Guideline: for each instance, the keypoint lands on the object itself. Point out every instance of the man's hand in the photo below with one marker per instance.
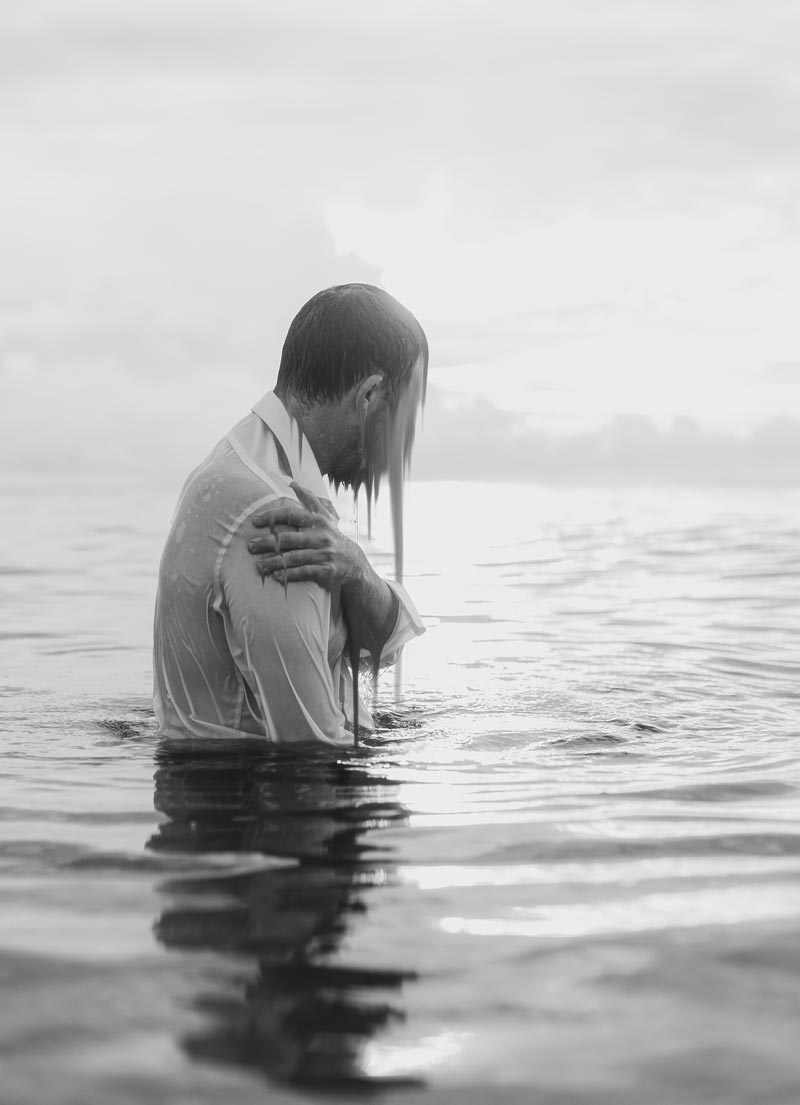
(308, 546)
(305, 544)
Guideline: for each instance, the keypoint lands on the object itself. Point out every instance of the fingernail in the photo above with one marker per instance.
(251, 545)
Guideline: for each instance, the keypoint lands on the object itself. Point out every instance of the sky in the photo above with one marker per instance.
(593, 206)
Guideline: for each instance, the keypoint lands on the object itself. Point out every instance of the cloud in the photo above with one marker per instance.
(474, 440)
(490, 341)
(527, 101)
(137, 374)
(158, 432)
(169, 166)
(783, 372)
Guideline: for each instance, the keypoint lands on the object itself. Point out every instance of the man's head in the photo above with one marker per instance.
(353, 371)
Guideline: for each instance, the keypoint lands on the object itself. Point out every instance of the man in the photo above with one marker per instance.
(258, 589)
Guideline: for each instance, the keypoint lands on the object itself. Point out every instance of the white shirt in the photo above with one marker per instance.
(234, 655)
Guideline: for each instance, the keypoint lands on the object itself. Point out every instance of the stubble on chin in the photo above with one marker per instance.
(349, 470)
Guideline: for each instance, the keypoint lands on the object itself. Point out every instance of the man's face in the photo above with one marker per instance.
(368, 444)
(390, 429)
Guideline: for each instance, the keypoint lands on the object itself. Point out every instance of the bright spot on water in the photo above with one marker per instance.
(723, 906)
(384, 1060)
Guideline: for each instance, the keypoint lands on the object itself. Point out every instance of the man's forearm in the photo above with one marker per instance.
(314, 549)
(370, 607)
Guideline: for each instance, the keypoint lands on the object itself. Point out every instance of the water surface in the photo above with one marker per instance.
(566, 869)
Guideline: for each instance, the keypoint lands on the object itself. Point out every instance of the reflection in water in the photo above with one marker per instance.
(302, 1017)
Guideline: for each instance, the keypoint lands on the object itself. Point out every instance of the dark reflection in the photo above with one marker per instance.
(303, 1016)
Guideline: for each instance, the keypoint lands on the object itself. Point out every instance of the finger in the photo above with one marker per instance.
(269, 564)
(307, 573)
(309, 501)
(269, 543)
(290, 514)
(288, 541)
(277, 502)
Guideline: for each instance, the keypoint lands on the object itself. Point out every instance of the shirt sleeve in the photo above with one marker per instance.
(279, 641)
(408, 625)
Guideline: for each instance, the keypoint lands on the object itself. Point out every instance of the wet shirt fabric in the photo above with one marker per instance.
(235, 655)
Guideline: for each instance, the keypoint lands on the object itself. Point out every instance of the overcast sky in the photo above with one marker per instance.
(592, 205)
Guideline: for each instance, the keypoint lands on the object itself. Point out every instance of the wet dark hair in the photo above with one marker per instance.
(342, 335)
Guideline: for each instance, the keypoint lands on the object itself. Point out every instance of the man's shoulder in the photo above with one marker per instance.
(209, 530)
(224, 486)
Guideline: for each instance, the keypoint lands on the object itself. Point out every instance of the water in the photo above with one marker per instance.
(566, 870)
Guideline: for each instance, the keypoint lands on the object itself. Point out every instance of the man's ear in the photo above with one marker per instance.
(369, 395)
(369, 390)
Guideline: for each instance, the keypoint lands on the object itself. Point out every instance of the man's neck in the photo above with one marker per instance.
(314, 421)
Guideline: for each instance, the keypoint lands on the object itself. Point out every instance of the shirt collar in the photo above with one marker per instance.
(294, 443)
